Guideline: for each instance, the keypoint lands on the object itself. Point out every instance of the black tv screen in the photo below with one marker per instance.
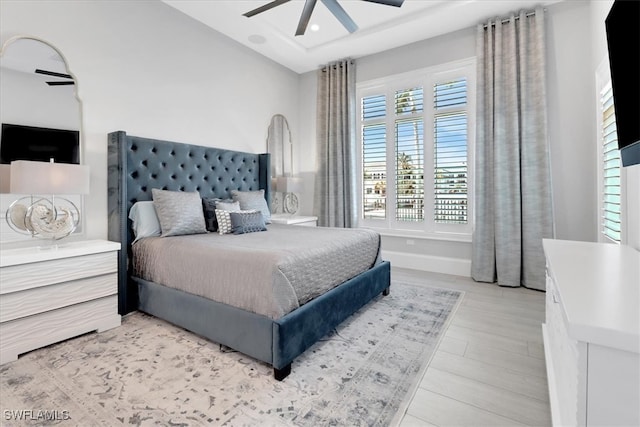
(19, 142)
(623, 40)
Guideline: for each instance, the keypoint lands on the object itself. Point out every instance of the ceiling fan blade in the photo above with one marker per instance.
(305, 17)
(264, 8)
(396, 3)
(61, 83)
(51, 73)
(341, 15)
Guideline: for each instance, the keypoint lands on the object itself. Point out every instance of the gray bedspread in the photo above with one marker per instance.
(269, 273)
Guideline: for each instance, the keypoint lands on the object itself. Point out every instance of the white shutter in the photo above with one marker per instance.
(409, 154)
(374, 157)
(450, 152)
(611, 168)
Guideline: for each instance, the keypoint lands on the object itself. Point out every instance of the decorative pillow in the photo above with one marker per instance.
(179, 212)
(145, 220)
(209, 206)
(253, 200)
(247, 222)
(224, 221)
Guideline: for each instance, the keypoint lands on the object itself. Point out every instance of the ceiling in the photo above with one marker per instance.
(381, 27)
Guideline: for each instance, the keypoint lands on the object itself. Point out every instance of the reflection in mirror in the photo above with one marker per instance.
(280, 146)
(38, 93)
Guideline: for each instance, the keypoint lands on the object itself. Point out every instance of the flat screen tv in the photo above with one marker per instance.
(623, 40)
(19, 142)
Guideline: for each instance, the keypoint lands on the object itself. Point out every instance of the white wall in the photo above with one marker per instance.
(571, 120)
(146, 68)
(571, 128)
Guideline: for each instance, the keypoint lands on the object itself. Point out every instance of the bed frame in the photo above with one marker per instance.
(135, 166)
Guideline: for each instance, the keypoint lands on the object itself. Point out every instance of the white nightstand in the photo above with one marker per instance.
(49, 295)
(305, 221)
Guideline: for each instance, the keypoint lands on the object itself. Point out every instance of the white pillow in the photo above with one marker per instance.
(145, 220)
(253, 200)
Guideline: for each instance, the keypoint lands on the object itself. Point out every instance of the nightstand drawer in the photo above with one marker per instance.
(304, 221)
(36, 300)
(26, 276)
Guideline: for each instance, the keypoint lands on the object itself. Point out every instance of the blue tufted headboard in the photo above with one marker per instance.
(136, 165)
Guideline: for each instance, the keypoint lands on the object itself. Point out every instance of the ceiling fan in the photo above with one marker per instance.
(333, 7)
(54, 74)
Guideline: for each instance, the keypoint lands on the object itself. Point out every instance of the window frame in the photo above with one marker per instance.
(425, 78)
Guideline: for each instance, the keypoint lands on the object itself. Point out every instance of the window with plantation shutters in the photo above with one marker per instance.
(409, 154)
(611, 201)
(450, 152)
(374, 157)
(415, 138)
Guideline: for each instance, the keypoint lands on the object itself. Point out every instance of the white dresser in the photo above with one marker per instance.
(49, 295)
(592, 333)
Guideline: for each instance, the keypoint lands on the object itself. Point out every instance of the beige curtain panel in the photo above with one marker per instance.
(513, 185)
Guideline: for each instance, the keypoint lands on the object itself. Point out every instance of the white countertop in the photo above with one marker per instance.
(599, 289)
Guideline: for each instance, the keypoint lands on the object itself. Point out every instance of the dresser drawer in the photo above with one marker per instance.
(33, 275)
(35, 300)
(28, 333)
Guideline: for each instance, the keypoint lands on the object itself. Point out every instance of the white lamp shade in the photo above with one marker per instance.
(5, 178)
(28, 177)
(288, 184)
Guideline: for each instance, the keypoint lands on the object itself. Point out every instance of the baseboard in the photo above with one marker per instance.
(436, 264)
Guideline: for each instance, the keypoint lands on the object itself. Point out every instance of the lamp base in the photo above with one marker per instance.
(43, 218)
(290, 204)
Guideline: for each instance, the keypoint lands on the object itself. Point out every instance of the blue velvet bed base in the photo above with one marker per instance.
(136, 165)
(276, 342)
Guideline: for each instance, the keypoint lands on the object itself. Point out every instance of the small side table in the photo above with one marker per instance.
(304, 221)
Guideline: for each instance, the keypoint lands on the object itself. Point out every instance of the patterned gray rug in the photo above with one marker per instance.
(148, 372)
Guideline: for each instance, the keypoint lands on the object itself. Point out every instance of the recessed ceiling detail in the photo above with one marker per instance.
(333, 6)
(380, 27)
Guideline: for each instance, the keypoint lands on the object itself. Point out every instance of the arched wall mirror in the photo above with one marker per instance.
(280, 146)
(40, 113)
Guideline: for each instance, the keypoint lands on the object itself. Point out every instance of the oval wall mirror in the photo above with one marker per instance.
(38, 95)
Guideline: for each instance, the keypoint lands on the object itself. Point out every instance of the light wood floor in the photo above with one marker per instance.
(489, 369)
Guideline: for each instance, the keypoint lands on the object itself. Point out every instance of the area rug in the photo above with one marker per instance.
(148, 372)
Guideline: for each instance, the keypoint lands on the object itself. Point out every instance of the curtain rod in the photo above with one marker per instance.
(336, 64)
(505, 20)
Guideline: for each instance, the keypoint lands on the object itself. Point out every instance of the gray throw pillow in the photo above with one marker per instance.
(253, 200)
(247, 222)
(209, 206)
(179, 212)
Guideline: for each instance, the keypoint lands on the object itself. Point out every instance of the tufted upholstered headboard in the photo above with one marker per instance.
(136, 165)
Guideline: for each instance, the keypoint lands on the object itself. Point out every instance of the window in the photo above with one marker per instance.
(611, 200)
(416, 134)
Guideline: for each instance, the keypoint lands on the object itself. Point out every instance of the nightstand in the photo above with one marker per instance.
(304, 221)
(49, 295)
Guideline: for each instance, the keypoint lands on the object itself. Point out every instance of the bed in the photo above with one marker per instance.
(138, 165)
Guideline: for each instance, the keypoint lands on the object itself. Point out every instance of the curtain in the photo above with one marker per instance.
(513, 184)
(335, 186)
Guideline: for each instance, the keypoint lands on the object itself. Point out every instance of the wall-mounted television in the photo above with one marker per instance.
(19, 142)
(623, 40)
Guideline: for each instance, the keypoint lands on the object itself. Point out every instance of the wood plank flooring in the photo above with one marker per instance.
(489, 369)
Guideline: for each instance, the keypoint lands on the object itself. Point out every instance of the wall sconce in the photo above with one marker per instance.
(50, 218)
